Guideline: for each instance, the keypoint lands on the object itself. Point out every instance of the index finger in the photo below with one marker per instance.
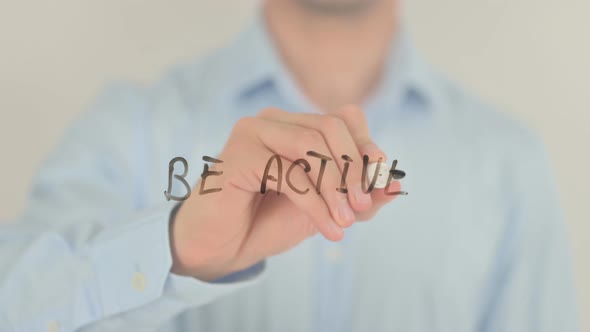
(356, 121)
(358, 127)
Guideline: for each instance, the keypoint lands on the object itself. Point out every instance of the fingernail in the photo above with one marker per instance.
(374, 153)
(360, 197)
(346, 214)
(336, 230)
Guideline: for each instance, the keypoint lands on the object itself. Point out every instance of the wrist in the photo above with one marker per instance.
(186, 260)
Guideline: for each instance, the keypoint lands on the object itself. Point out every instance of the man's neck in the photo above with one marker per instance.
(335, 59)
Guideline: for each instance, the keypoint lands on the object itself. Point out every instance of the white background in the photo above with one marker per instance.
(528, 57)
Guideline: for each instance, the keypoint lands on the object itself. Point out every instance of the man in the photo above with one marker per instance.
(477, 245)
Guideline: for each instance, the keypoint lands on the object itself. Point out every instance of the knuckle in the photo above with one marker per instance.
(310, 229)
(353, 113)
(333, 124)
(268, 112)
(243, 124)
(310, 138)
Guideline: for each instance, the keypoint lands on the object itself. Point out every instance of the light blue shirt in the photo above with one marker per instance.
(477, 245)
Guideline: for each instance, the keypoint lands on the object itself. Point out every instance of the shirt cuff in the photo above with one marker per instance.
(133, 263)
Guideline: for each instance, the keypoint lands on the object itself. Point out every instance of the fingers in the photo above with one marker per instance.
(343, 152)
(292, 143)
(296, 142)
(356, 122)
(337, 143)
(342, 146)
(380, 198)
(313, 205)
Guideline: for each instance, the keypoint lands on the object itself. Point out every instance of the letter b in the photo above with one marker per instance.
(180, 178)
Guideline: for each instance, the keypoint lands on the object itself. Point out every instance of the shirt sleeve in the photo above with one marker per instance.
(532, 285)
(84, 255)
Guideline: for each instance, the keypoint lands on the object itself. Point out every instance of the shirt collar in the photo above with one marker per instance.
(406, 76)
(257, 64)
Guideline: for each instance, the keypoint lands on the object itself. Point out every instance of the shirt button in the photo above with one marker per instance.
(52, 327)
(334, 255)
(138, 281)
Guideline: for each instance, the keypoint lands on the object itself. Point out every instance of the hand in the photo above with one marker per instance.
(217, 234)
